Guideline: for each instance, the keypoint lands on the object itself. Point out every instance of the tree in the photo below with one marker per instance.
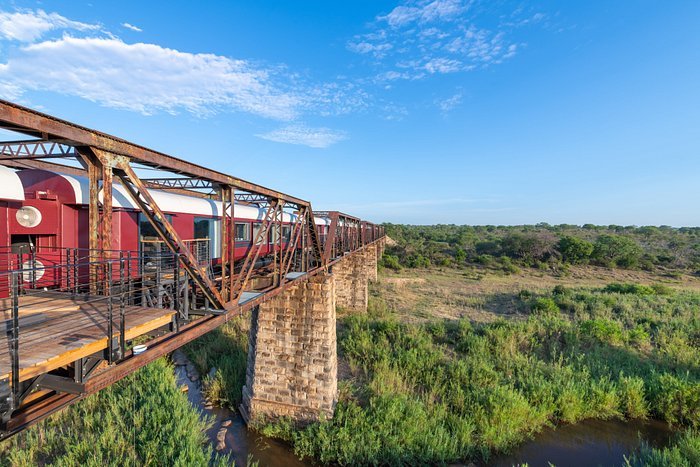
(575, 250)
(535, 246)
(614, 250)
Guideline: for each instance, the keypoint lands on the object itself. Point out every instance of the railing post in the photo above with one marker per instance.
(68, 271)
(122, 308)
(186, 296)
(32, 266)
(176, 284)
(75, 271)
(159, 270)
(110, 324)
(14, 340)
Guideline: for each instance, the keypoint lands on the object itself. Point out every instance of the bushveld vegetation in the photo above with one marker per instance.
(544, 246)
(453, 390)
(142, 420)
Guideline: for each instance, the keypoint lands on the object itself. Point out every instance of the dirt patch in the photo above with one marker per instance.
(420, 295)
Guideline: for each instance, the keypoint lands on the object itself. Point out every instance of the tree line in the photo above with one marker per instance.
(544, 246)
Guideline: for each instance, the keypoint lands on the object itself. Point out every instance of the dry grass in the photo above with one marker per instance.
(483, 296)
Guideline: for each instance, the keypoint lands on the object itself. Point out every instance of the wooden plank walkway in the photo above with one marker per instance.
(56, 330)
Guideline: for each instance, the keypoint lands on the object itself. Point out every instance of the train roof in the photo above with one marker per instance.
(11, 187)
(74, 189)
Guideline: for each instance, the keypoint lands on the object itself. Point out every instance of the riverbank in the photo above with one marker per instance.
(458, 390)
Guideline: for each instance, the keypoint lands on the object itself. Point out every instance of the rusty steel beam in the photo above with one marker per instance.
(184, 183)
(250, 259)
(140, 195)
(21, 119)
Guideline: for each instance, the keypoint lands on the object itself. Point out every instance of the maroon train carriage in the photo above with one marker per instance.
(47, 214)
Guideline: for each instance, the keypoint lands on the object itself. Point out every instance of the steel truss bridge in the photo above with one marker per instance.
(163, 301)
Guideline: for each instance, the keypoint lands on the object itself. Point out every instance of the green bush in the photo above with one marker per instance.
(544, 305)
(684, 452)
(614, 250)
(391, 262)
(575, 250)
(603, 330)
(635, 289)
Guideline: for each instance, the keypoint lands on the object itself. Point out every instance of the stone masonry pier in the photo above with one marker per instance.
(292, 352)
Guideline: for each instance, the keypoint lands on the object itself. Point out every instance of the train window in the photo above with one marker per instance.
(286, 233)
(242, 233)
(256, 232)
(202, 227)
(146, 230)
(274, 234)
(206, 228)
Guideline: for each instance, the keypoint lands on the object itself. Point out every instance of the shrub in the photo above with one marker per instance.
(603, 330)
(575, 250)
(677, 400)
(391, 262)
(614, 250)
(635, 289)
(544, 305)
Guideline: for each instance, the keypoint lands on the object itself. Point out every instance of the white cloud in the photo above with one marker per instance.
(29, 26)
(446, 105)
(132, 27)
(420, 38)
(378, 50)
(146, 78)
(300, 134)
(423, 11)
(442, 65)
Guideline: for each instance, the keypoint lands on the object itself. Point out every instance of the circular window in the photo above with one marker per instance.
(28, 216)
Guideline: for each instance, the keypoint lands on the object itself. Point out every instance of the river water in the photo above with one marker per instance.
(588, 443)
(238, 441)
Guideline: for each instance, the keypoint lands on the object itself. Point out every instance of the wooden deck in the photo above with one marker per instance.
(56, 330)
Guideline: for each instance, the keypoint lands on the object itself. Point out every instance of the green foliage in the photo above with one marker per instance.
(615, 250)
(684, 452)
(546, 246)
(635, 289)
(544, 305)
(575, 250)
(142, 420)
(391, 262)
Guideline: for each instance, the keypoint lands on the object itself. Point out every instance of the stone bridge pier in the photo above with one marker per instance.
(292, 352)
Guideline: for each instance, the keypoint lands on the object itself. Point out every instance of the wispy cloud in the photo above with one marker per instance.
(301, 134)
(132, 27)
(420, 38)
(29, 26)
(448, 104)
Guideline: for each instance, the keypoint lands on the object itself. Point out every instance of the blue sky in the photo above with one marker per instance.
(421, 111)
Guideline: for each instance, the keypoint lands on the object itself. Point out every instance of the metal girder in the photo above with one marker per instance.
(183, 183)
(251, 258)
(140, 195)
(21, 119)
(30, 149)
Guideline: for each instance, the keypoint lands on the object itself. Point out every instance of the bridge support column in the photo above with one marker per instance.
(371, 255)
(351, 276)
(292, 355)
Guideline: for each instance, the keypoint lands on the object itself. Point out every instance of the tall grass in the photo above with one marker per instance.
(226, 350)
(142, 420)
(453, 390)
(684, 452)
